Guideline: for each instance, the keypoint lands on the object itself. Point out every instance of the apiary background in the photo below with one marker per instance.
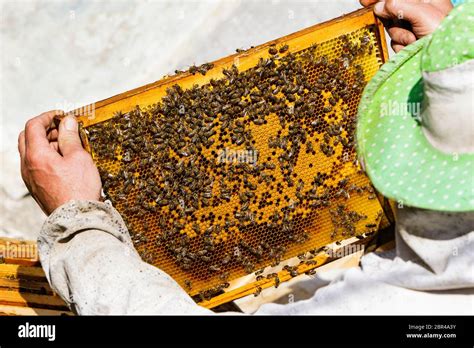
(91, 50)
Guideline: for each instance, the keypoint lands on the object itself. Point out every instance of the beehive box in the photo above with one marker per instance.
(239, 164)
(24, 289)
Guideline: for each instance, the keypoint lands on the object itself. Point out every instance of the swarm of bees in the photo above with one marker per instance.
(201, 215)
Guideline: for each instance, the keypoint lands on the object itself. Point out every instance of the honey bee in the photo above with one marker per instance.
(214, 268)
(277, 282)
(188, 284)
(272, 50)
(283, 48)
(293, 272)
(224, 276)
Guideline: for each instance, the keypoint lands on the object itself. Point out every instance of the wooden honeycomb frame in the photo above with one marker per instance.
(318, 34)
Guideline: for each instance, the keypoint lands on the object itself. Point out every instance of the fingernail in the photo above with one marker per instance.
(70, 123)
(378, 8)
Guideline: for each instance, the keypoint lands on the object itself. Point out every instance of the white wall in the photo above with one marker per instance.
(65, 54)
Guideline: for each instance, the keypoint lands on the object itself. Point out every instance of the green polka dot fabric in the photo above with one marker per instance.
(397, 157)
(453, 41)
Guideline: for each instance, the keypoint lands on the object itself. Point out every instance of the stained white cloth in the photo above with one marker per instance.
(448, 93)
(89, 260)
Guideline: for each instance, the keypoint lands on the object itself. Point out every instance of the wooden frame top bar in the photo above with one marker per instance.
(153, 92)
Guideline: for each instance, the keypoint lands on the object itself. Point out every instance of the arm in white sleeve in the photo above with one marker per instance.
(89, 260)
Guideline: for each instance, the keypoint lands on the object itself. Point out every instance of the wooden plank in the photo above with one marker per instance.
(15, 310)
(9, 271)
(382, 39)
(26, 285)
(248, 289)
(25, 299)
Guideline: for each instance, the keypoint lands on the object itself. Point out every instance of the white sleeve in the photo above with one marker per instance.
(89, 260)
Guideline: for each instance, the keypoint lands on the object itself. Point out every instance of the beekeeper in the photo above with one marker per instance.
(415, 141)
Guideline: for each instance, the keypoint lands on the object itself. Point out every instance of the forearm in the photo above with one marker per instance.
(89, 259)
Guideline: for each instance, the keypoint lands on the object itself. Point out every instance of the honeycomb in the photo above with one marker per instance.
(227, 177)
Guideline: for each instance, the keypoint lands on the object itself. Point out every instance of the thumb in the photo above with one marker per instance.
(68, 136)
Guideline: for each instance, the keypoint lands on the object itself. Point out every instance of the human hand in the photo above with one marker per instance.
(409, 20)
(54, 165)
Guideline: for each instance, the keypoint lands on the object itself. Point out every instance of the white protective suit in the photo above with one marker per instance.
(89, 259)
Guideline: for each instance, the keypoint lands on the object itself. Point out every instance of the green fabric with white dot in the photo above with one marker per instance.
(397, 157)
(452, 43)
